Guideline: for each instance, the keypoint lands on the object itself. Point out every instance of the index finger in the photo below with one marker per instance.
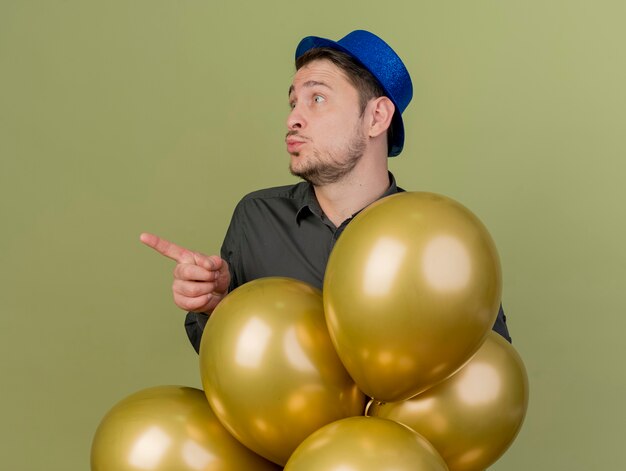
(167, 248)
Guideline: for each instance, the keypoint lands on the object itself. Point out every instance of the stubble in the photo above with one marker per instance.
(324, 171)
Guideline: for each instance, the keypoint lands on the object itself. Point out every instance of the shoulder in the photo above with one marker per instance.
(285, 191)
(279, 195)
(269, 207)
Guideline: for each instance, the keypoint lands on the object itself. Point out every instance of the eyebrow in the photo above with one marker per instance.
(309, 84)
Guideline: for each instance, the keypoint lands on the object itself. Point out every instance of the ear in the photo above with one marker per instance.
(381, 111)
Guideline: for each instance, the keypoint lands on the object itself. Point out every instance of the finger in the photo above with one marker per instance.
(193, 289)
(197, 304)
(167, 248)
(188, 272)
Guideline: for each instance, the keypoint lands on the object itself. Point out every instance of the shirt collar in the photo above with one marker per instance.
(308, 203)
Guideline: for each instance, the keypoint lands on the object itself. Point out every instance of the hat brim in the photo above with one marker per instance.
(396, 140)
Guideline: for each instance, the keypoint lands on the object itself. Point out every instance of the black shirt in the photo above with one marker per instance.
(283, 231)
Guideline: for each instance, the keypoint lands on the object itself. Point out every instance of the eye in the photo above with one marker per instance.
(292, 105)
(319, 99)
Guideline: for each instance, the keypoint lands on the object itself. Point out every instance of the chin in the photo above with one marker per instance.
(297, 163)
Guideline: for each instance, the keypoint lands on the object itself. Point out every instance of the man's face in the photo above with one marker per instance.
(326, 138)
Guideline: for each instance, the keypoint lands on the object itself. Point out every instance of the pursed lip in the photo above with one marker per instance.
(293, 144)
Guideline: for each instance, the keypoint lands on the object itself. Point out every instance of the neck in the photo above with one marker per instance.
(365, 184)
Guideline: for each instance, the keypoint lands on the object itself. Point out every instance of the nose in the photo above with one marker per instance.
(295, 120)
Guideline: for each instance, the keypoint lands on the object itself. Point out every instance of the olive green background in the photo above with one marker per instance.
(118, 117)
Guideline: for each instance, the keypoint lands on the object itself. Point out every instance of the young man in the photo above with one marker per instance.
(346, 99)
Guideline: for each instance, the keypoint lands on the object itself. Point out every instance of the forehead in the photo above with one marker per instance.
(320, 71)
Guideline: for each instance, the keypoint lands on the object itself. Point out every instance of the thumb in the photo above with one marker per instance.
(211, 263)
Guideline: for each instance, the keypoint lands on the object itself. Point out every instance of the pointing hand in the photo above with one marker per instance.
(200, 281)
